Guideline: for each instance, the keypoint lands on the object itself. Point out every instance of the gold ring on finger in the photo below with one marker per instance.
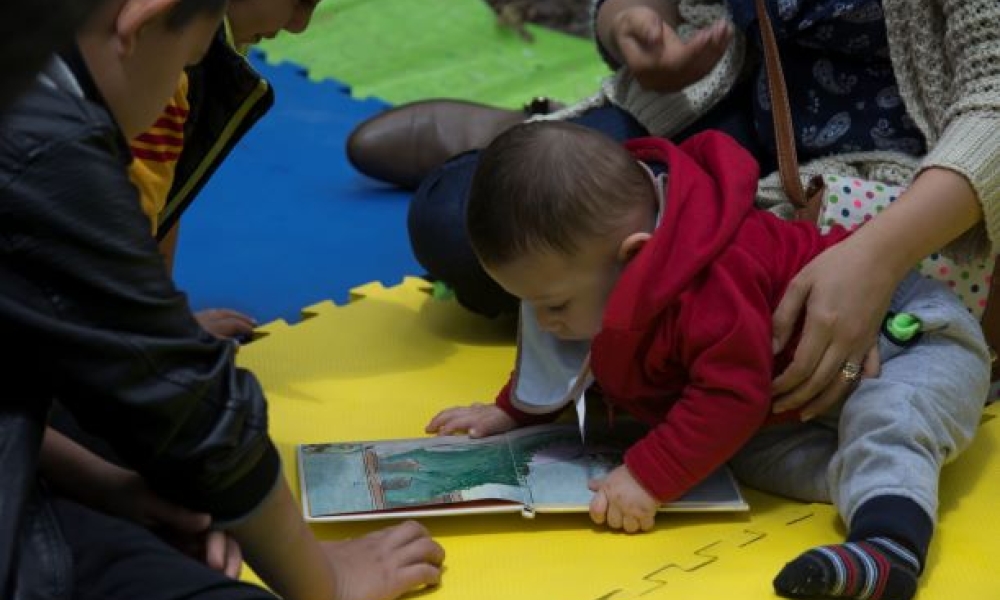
(850, 372)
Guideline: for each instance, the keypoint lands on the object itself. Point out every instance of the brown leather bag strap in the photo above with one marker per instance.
(781, 114)
(991, 321)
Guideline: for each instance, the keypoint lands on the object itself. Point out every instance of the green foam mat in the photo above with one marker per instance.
(404, 50)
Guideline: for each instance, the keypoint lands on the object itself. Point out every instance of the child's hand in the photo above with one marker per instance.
(216, 549)
(385, 564)
(85, 477)
(658, 58)
(621, 502)
(480, 420)
(223, 554)
(225, 323)
(186, 530)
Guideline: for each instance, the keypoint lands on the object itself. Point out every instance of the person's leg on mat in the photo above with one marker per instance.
(896, 431)
(115, 559)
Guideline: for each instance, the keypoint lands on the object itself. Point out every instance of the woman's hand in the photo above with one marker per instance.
(846, 290)
(845, 296)
(657, 57)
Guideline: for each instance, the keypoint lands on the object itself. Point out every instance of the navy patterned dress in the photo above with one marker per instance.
(842, 91)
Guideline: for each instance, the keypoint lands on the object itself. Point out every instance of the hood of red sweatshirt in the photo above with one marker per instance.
(710, 190)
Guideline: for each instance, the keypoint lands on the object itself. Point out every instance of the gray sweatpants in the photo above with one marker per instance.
(893, 434)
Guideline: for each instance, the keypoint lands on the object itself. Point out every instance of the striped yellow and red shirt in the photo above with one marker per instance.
(156, 151)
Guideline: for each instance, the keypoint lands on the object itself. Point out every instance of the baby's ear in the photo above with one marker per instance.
(631, 245)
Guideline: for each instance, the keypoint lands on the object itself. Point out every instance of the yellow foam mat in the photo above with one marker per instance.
(382, 365)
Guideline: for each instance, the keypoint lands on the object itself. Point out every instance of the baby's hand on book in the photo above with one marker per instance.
(479, 420)
(622, 503)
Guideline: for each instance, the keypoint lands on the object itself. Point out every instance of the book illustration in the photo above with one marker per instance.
(384, 476)
(543, 468)
(556, 466)
(439, 474)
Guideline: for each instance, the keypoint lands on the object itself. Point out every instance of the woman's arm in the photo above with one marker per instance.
(848, 287)
(939, 206)
(948, 75)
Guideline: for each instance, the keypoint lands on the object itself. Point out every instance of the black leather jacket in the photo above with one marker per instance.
(227, 97)
(90, 316)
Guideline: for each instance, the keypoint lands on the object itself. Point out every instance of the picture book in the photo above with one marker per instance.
(531, 470)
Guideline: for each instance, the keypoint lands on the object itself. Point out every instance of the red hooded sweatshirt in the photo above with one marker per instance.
(685, 344)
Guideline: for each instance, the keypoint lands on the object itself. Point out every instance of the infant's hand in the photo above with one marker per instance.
(621, 502)
(479, 420)
(658, 58)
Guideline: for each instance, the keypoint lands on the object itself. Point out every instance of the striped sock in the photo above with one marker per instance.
(876, 568)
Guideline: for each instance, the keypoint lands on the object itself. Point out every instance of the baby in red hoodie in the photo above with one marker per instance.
(648, 271)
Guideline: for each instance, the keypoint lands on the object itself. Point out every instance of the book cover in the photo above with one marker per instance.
(544, 468)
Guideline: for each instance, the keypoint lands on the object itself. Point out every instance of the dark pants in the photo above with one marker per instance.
(437, 212)
(114, 559)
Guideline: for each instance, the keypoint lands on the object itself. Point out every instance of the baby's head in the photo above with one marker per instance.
(555, 212)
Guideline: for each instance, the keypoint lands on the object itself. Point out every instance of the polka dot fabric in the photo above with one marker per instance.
(853, 202)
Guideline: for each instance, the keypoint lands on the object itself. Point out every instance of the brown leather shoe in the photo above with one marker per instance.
(404, 144)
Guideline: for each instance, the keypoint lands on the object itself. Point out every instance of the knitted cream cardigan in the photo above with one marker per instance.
(946, 58)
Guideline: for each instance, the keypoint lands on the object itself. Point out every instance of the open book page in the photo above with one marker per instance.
(556, 467)
(392, 476)
(535, 469)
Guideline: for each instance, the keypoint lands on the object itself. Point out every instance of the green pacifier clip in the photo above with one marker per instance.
(902, 327)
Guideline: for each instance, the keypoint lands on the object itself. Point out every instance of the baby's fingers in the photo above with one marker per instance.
(630, 523)
(446, 421)
(598, 507)
(436, 422)
(491, 421)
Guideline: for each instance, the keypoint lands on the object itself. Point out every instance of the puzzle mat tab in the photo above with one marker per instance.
(401, 50)
(382, 365)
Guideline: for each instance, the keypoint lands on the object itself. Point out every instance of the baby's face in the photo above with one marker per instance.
(567, 293)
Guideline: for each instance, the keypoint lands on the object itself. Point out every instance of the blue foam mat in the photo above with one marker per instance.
(286, 222)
